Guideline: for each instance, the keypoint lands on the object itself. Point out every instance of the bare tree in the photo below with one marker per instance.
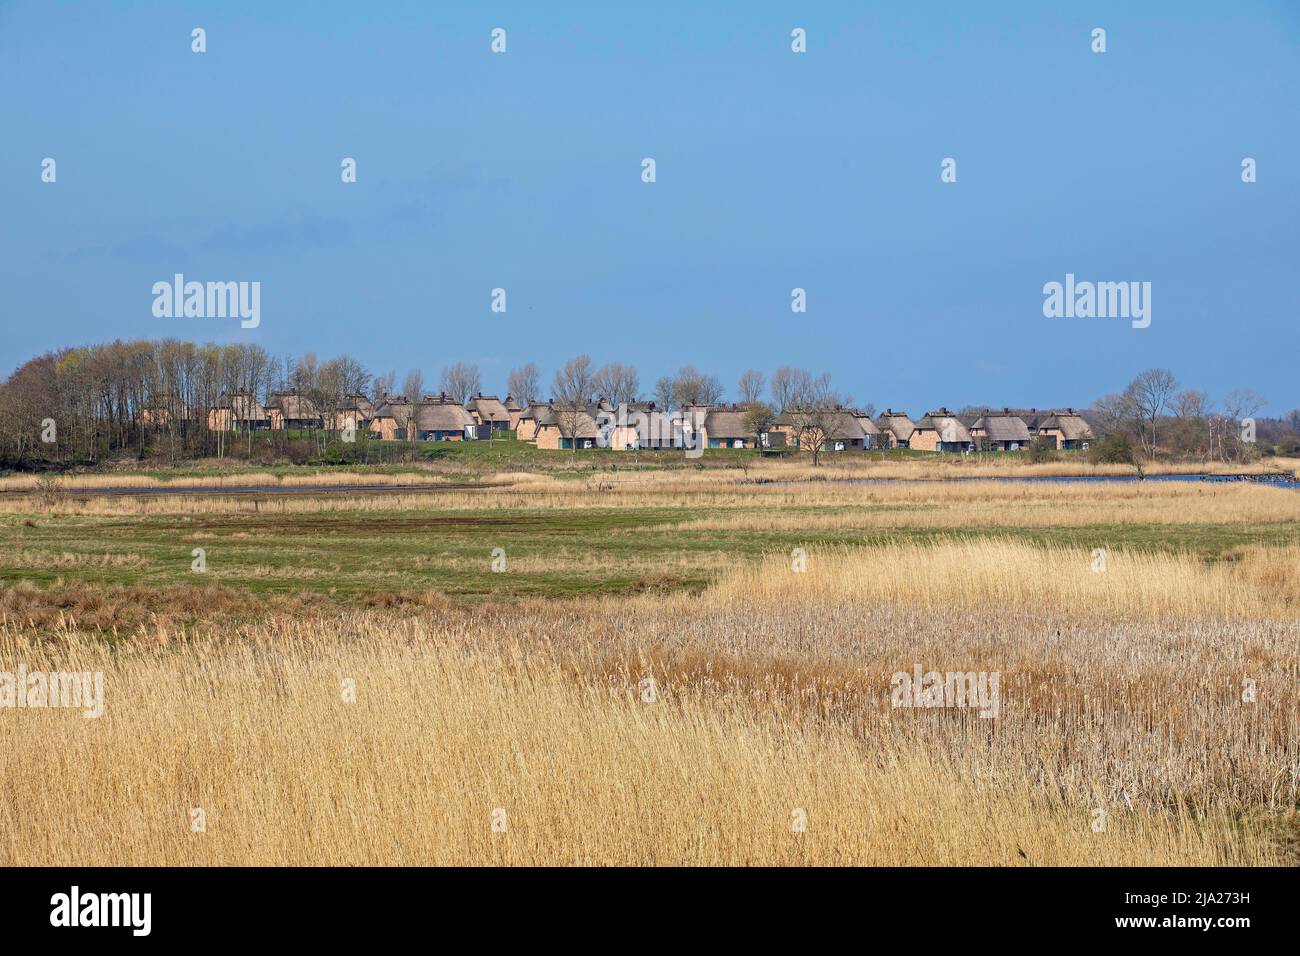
(413, 389)
(759, 418)
(785, 384)
(524, 383)
(812, 408)
(618, 383)
(574, 393)
(1189, 433)
(1240, 406)
(1149, 394)
(384, 385)
(688, 386)
(752, 383)
(461, 381)
(666, 392)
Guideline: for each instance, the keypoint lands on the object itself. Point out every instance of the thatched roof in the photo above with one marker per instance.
(726, 422)
(845, 426)
(1070, 423)
(488, 408)
(393, 406)
(441, 415)
(1032, 418)
(243, 407)
(357, 403)
(293, 406)
(1003, 428)
(947, 424)
(896, 423)
(864, 420)
(563, 419)
(512, 404)
(535, 411)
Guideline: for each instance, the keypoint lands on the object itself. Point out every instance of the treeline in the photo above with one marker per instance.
(78, 406)
(1156, 417)
(150, 399)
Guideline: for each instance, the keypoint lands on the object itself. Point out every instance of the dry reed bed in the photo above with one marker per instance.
(721, 504)
(644, 473)
(1120, 691)
(991, 577)
(241, 479)
(446, 730)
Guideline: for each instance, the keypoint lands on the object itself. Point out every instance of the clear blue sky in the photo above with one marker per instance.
(775, 170)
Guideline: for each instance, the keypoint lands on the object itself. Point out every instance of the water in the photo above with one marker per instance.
(1276, 481)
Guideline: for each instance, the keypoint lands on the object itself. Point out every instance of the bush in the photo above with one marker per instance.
(1112, 450)
(299, 451)
(1040, 449)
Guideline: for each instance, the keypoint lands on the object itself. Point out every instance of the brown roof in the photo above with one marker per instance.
(554, 418)
(1032, 417)
(357, 403)
(1003, 428)
(1070, 423)
(393, 406)
(489, 408)
(868, 426)
(726, 421)
(947, 424)
(536, 411)
(897, 424)
(846, 427)
(243, 407)
(441, 415)
(291, 406)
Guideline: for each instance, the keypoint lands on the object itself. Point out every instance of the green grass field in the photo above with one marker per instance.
(549, 552)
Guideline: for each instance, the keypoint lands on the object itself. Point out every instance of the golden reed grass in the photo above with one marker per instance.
(996, 576)
(649, 470)
(772, 699)
(444, 740)
(721, 503)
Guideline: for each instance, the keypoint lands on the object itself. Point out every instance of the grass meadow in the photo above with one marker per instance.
(674, 667)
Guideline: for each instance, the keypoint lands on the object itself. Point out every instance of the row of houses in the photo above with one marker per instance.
(640, 425)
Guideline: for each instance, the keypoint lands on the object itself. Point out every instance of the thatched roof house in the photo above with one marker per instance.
(896, 426)
(869, 428)
(940, 430)
(1000, 432)
(291, 410)
(514, 410)
(389, 420)
(1068, 429)
(240, 410)
(564, 428)
(724, 427)
(526, 423)
(489, 410)
(441, 418)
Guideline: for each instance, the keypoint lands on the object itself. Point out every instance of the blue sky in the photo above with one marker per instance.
(775, 170)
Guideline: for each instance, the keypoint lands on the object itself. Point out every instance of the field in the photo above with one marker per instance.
(638, 665)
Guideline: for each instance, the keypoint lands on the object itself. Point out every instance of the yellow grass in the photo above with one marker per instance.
(1160, 690)
(257, 735)
(721, 503)
(642, 471)
(994, 576)
(232, 479)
